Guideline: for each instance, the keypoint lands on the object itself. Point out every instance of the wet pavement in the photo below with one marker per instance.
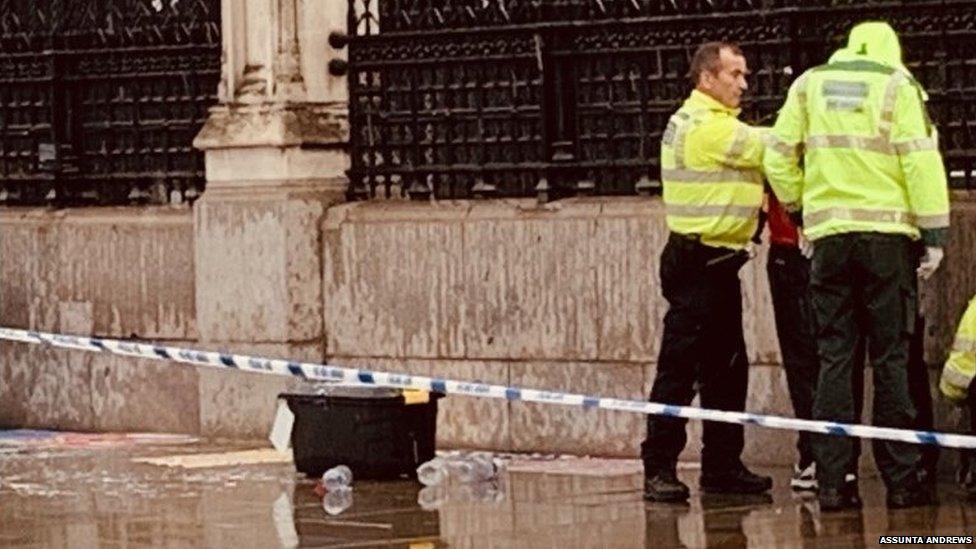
(91, 495)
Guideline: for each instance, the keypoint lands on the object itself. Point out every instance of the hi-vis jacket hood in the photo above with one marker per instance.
(853, 147)
(875, 41)
(872, 41)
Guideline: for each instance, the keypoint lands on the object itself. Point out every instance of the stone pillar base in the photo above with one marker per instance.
(273, 169)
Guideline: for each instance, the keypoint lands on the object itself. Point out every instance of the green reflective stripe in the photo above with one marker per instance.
(844, 88)
(738, 146)
(860, 142)
(938, 221)
(856, 66)
(916, 145)
(729, 210)
(888, 107)
(956, 378)
(720, 176)
(782, 147)
(811, 219)
(964, 344)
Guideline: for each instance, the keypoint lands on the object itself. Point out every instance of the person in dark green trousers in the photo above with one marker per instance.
(853, 153)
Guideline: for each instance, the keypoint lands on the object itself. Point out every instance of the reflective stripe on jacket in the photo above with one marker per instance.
(961, 367)
(853, 146)
(710, 170)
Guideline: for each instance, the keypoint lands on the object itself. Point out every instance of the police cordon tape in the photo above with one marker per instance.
(325, 372)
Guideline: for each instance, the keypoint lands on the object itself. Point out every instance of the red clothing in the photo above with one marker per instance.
(782, 231)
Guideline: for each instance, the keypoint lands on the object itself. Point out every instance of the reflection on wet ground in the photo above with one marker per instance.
(101, 497)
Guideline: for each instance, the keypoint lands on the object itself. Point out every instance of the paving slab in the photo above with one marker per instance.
(92, 490)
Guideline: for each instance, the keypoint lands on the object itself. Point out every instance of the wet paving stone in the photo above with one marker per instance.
(109, 496)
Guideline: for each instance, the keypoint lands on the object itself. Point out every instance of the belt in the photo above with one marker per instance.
(686, 238)
(712, 255)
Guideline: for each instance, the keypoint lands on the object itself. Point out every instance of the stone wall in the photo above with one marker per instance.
(121, 272)
(563, 296)
(113, 272)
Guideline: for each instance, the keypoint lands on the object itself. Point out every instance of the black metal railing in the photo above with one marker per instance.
(512, 98)
(100, 99)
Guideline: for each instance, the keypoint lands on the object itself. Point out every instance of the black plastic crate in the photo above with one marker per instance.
(373, 431)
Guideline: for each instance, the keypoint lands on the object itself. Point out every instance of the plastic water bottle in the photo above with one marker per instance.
(487, 492)
(433, 472)
(475, 468)
(337, 477)
(338, 500)
(431, 498)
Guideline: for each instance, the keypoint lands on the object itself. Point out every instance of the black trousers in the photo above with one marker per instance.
(796, 328)
(789, 284)
(863, 289)
(920, 390)
(702, 349)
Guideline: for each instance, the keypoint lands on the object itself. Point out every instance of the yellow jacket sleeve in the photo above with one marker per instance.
(784, 148)
(915, 141)
(961, 367)
(725, 141)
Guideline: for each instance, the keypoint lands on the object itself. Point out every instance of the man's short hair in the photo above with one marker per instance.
(706, 58)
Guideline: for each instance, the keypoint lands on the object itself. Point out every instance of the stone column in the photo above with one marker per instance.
(276, 157)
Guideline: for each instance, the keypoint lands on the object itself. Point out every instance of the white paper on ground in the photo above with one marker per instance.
(281, 429)
(284, 521)
(257, 456)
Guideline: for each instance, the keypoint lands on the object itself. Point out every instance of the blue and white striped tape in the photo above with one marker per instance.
(325, 372)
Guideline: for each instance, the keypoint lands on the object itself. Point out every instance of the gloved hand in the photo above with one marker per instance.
(930, 262)
(751, 249)
(806, 246)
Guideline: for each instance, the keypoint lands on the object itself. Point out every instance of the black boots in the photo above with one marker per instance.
(664, 486)
(847, 497)
(901, 499)
(735, 480)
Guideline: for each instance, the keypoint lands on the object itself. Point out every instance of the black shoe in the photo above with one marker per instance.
(665, 487)
(832, 499)
(736, 480)
(903, 498)
(852, 492)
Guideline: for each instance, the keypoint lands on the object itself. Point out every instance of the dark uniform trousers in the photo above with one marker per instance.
(863, 289)
(796, 328)
(789, 285)
(702, 349)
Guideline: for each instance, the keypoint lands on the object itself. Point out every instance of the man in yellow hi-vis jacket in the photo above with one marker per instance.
(853, 150)
(710, 169)
(956, 383)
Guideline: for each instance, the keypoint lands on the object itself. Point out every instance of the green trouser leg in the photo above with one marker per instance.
(867, 276)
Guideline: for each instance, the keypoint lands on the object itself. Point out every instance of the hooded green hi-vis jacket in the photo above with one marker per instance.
(854, 149)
